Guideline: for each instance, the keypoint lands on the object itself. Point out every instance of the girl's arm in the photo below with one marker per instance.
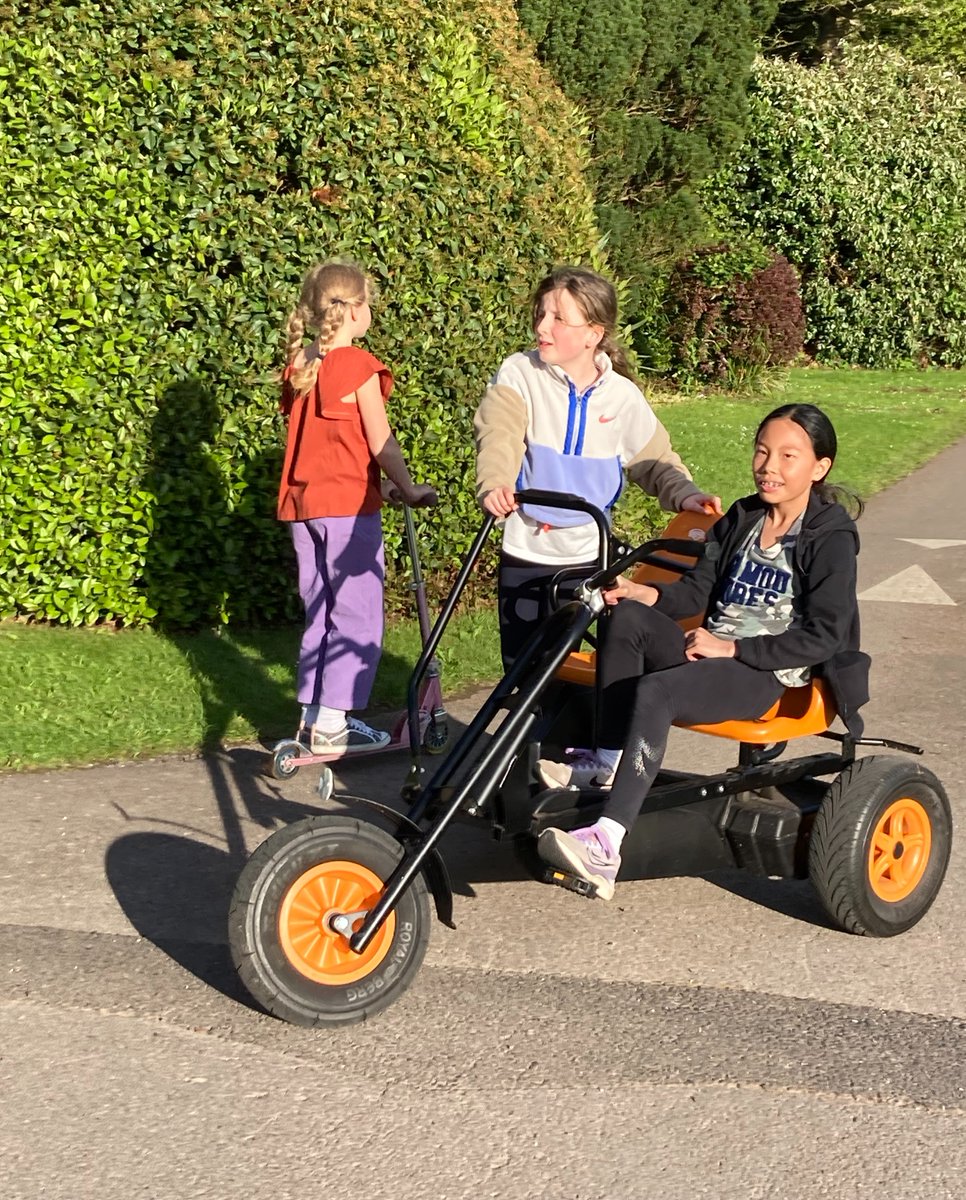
(385, 449)
(659, 471)
(501, 429)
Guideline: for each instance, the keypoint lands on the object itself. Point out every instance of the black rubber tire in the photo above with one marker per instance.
(270, 975)
(841, 838)
(284, 761)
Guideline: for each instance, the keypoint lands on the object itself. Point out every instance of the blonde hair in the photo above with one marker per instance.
(597, 300)
(327, 289)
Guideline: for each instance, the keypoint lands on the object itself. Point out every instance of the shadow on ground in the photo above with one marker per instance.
(175, 886)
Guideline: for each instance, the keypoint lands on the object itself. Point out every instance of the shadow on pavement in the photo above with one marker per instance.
(175, 887)
(794, 898)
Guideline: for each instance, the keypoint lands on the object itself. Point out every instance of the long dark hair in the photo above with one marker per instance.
(821, 434)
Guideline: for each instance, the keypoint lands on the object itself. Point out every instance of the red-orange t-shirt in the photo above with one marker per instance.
(329, 470)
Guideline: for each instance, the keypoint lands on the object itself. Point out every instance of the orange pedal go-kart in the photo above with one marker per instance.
(330, 916)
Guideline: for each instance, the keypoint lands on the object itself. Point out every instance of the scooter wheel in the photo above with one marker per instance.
(880, 846)
(285, 758)
(288, 953)
(436, 737)
(326, 784)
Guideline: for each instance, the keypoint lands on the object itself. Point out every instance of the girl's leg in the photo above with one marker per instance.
(309, 540)
(523, 602)
(702, 692)
(705, 691)
(354, 566)
(636, 641)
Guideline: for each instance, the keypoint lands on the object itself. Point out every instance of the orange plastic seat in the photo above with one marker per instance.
(800, 712)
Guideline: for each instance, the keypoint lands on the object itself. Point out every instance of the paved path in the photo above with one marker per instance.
(696, 1038)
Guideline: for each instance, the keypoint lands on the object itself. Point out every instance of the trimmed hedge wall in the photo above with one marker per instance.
(166, 174)
(856, 173)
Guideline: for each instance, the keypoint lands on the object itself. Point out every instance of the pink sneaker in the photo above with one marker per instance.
(584, 853)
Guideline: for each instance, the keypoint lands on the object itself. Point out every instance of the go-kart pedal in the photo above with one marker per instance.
(573, 883)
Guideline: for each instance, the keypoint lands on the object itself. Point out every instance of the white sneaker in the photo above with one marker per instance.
(585, 771)
(352, 738)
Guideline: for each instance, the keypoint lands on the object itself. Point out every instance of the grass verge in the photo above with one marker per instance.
(88, 696)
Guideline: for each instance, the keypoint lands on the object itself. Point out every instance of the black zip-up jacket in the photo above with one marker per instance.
(825, 635)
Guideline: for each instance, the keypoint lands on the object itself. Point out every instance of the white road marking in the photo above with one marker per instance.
(934, 543)
(911, 586)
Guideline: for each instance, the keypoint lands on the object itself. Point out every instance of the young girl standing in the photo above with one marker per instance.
(777, 583)
(567, 417)
(339, 443)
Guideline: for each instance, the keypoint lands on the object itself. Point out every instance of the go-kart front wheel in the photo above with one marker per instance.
(287, 909)
(880, 846)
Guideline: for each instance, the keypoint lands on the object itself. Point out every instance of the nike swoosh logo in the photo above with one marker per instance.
(604, 420)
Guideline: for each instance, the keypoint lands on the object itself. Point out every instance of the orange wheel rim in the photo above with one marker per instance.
(310, 943)
(899, 852)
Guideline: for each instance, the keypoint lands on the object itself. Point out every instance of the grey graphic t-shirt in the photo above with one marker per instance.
(759, 597)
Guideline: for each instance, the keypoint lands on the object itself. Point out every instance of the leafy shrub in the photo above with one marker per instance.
(857, 174)
(932, 31)
(166, 175)
(734, 310)
(810, 31)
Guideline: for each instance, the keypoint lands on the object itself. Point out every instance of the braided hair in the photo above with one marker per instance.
(327, 290)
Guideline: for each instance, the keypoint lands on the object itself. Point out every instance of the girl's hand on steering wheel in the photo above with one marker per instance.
(499, 502)
(699, 643)
(623, 589)
(702, 503)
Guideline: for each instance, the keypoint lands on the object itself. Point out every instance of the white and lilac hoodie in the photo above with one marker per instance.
(534, 430)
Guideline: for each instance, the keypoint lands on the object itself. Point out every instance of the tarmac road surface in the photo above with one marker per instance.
(708, 1037)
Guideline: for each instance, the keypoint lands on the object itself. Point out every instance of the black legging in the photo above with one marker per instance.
(524, 599)
(648, 684)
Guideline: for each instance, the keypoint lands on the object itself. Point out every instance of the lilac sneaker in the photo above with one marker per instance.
(583, 853)
(583, 770)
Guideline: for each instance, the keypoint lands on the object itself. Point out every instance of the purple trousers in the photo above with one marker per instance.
(341, 565)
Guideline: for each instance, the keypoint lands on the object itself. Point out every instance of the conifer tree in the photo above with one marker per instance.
(664, 86)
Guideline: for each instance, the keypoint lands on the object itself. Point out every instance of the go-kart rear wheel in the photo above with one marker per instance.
(284, 912)
(880, 846)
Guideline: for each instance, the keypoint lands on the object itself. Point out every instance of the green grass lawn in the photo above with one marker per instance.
(888, 423)
(86, 696)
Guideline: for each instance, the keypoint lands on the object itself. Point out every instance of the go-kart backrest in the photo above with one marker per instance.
(667, 566)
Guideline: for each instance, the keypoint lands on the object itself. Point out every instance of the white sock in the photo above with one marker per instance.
(310, 714)
(609, 758)
(613, 831)
(330, 720)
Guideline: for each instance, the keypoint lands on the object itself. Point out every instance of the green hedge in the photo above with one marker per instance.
(856, 173)
(166, 174)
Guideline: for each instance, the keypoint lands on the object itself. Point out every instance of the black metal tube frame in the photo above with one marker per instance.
(540, 660)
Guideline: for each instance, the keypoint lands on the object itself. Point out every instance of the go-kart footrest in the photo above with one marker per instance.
(571, 882)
